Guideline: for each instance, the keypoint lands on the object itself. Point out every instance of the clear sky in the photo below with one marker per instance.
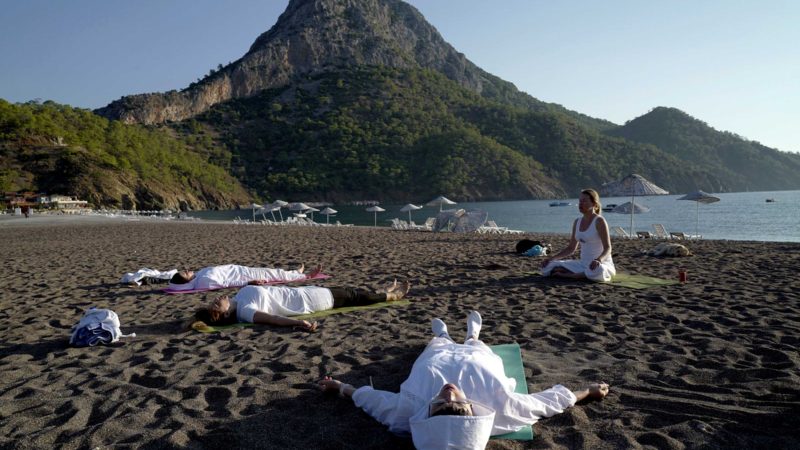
(734, 64)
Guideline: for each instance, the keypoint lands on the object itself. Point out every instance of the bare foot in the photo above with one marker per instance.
(399, 292)
(302, 268)
(392, 287)
(314, 272)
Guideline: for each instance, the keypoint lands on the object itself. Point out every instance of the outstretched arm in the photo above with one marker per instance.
(280, 321)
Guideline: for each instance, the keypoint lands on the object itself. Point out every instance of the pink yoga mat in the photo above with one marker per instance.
(319, 276)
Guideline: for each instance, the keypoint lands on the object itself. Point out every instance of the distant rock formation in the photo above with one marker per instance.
(312, 36)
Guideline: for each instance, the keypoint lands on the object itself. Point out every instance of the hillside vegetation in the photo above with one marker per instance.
(63, 150)
(740, 164)
(401, 134)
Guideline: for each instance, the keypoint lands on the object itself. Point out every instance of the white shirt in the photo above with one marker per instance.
(478, 372)
(231, 275)
(280, 301)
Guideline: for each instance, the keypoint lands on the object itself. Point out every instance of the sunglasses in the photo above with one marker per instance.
(437, 402)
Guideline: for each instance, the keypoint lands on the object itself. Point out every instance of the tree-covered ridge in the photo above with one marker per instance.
(740, 164)
(370, 132)
(59, 149)
(377, 131)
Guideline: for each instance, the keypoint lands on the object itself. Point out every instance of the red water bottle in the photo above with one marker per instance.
(682, 276)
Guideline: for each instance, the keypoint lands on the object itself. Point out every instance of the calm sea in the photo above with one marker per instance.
(737, 216)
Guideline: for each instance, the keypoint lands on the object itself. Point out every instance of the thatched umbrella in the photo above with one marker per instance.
(440, 200)
(375, 209)
(632, 185)
(699, 197)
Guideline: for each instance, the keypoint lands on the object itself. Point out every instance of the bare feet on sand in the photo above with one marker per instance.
(398, 291)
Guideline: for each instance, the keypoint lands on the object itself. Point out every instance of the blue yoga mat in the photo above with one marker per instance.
(512, 366)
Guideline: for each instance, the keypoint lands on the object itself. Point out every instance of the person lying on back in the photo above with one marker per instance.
(232, 275)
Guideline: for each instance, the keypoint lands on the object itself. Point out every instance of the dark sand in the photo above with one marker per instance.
(709, 364)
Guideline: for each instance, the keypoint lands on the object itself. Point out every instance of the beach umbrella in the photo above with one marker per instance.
(375, 209)
(630, 208)
(440, 200)
(312, 210)
(280, 204)
(408, 208)
(255, 206)
(460, 221)
(271, 208)
(632, 185)
(699, 197)
(328, 211)
(298, 206)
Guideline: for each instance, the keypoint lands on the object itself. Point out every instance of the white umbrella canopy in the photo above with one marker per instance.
(328, 211)
(312, 210)
(440, 200)
(631, 208)
(298, 206)
(699, 197)
(375, 209)
(633, 185)
(626, 208)
(408, 208)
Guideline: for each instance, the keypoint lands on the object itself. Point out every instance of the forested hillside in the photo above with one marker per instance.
(63, 150)
(739, 164)
(399, 134)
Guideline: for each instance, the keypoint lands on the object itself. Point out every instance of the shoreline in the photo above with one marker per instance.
(10, 221)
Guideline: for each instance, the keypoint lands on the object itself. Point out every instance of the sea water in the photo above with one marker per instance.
(742, 216)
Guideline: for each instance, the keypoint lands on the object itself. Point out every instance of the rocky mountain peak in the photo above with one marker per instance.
(311, 36)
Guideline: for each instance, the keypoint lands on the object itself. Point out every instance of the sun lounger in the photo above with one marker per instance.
(644, 234)
(660, 231)
(620, 232)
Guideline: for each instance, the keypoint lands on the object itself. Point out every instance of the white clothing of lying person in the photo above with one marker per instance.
(458, 395)
(232, 275)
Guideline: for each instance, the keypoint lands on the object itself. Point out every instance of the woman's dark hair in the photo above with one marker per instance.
(210, 317)
(453, 409)
(526, 244)
(178, 278)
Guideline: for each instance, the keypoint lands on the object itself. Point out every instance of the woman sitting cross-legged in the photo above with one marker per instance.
(590, 233)
(274, 305)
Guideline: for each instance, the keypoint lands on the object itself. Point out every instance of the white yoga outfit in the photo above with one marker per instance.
(591, 247)
(232, 275)
(478, 372)
(280, 301)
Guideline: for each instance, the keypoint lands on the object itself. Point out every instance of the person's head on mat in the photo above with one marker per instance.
(218, 312)
(450, 401)
(182, 277)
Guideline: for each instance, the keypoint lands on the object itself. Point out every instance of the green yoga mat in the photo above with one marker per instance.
(512, 365)
(631, 281)
(316, 315)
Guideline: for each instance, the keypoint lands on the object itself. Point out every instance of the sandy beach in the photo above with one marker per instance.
(709, 364)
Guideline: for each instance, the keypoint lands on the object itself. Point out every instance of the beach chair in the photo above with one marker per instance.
(429, 222)
(660, 231)
(398, 224)
(644, 234)
(620, 232)
(677, 235)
